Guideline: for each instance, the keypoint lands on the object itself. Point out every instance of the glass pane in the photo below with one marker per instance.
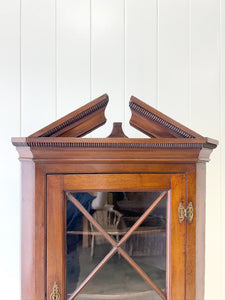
(147, 245)
(116, 213)
(117, 279)
(83, 243)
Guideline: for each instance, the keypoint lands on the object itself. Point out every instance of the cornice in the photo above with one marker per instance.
(149, 115)
(156, 124)
(79, 122)
(61, 140)
(110, 143)
(76, 118)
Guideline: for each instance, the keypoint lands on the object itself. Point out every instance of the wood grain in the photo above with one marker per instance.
(116, 182)
(78, 122)
(28, 237)
(200, 230)
(177, 241)
(55, 235)
(55, 164)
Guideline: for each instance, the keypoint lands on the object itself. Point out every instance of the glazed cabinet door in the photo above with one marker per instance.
(116, 236)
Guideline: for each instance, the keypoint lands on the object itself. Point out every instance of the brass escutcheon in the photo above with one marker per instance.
(55, 292)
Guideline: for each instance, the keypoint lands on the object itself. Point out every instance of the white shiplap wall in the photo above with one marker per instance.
(10, 169)
(56, 55)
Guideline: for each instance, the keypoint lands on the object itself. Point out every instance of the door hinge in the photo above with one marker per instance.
(187, 213)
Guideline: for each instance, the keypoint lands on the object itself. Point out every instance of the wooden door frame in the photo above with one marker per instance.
(58, 184)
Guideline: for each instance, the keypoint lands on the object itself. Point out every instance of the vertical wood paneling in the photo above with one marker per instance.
(222, 140)
(205, 118)
(173, 59)
(204, 54)
(140, 54)
(73, 55)
(107, 58)
(10, 169)
(38, 64)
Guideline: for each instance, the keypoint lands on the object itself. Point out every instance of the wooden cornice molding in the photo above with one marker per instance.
(79, 122)
(62, 139)
(155, 124)
(109, 143)
(112, 150)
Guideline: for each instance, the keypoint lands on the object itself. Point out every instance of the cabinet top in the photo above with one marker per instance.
(165, 134)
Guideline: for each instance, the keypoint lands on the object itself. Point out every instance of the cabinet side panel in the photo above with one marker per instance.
(191, 235)
(28, 231)
(32, 232)
(200, 230)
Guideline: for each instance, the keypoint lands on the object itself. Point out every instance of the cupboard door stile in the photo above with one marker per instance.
(55, 235)
(177, 240)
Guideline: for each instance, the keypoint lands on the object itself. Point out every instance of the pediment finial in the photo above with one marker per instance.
(117, 131)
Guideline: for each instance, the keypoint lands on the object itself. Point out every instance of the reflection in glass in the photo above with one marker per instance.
(78, 239)
(147, 244)
(116, 279)
(134, 223)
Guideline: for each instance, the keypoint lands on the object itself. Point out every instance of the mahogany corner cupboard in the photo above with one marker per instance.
(115, 217)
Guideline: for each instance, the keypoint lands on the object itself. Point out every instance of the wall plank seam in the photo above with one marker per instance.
(220, 146)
